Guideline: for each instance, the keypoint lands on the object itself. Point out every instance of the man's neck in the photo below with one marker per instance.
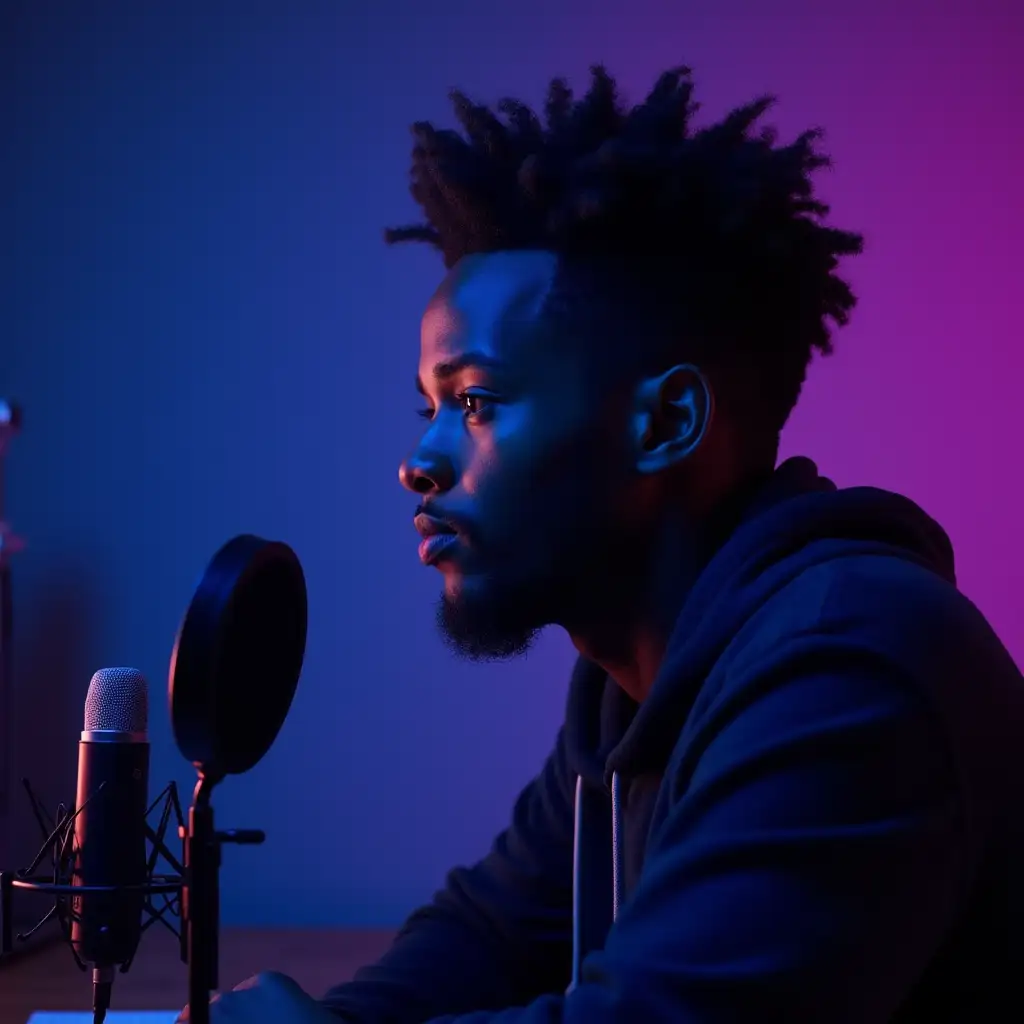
(629, 635)
(629, 639)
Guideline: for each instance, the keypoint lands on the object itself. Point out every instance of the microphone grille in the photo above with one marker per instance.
(117, 701)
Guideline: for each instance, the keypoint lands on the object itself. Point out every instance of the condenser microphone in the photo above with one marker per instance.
(110, 827)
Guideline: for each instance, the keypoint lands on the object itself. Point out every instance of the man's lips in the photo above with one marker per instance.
(429, 526)
(438, 537)
(432, 549)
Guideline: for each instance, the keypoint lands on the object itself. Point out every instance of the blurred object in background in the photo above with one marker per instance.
(10, 421)
(10, 424)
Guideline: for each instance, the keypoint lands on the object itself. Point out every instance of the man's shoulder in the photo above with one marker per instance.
(893, 601)
(887, 617)
(895, 617)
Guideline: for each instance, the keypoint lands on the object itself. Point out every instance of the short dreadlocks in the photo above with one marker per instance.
(721, 224)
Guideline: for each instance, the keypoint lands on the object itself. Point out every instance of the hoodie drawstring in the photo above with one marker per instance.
(618, 862)
(577, 880)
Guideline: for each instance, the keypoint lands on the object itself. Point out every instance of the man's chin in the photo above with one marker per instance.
(480, 627)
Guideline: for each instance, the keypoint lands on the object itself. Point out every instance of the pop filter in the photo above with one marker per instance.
(238, 656)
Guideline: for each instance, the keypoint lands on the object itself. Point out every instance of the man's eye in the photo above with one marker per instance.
(473, 403)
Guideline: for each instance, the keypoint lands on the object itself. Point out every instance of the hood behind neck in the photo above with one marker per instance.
(798, 519)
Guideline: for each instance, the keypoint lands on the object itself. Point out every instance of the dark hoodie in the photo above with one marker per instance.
(817, 815)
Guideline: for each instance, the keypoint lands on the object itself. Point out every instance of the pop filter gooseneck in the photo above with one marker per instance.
(234, 670)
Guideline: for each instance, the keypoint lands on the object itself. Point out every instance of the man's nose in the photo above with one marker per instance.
(426, 473)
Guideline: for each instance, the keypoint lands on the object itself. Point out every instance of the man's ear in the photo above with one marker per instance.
(671, 416)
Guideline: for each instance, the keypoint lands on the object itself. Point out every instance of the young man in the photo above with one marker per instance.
(790, 783)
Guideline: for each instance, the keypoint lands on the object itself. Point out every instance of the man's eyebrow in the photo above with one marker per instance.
(449, 368)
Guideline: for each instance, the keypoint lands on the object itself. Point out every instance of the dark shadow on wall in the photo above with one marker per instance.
(54, 631)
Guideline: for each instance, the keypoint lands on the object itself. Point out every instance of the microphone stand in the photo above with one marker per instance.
(200, 907)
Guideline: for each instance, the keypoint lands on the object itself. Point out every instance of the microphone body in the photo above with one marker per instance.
(110, 843)
(110, 827)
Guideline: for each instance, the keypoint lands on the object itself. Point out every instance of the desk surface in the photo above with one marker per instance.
(49, 979)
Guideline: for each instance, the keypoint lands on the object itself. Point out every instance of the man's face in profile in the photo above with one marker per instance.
(518, 461)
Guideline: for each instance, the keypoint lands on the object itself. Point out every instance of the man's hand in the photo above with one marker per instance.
(267, 998)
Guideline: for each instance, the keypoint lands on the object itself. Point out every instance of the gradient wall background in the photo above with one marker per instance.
(210, 338)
